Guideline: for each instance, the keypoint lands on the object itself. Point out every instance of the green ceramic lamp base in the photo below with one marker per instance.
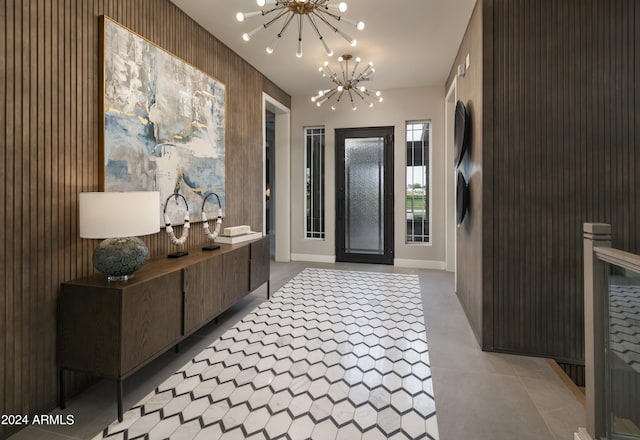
(119, 258)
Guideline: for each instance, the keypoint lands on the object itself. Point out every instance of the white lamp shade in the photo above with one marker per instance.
(119, 214)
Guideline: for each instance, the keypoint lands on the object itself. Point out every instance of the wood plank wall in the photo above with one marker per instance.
(566, 148)
(49, 130)
(561, 146)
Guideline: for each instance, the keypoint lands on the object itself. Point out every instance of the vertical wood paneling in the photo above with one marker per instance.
(559, 148)
(540, 310)
(49, 122)
(4, 35)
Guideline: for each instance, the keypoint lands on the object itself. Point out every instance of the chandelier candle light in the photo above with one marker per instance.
(348, 83)
(288, 10)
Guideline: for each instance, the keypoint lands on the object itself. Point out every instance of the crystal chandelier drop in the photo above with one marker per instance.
(286, 11)
(347, 83)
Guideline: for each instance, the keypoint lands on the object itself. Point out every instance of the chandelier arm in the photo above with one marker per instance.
(300, 26)
(270, 22)
(334, 79)
(275, 8)
(330, 94)
(335, 29)
(333, 15)
(286, 24)
(366, 72)
(346, 78)
(330, 70)
(353, 74)
(315, 27)
(366, 92)
(340, 96)
(344, 74)
(359, 94)
(322, 40)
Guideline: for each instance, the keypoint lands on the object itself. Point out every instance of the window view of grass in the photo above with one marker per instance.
(417, 205)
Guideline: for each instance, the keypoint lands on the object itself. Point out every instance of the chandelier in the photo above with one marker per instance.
(347, 83)
(285, 11)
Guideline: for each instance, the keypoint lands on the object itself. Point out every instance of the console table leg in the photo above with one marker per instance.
(268, 289)
(119, 393)
(61, 388)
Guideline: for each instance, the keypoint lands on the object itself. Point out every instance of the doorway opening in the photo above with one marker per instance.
(270, 187)
(364, 195)
(277, 132)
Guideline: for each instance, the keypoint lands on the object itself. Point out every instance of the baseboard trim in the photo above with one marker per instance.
(398, 262)
(419, 264)
(313, 258)
(577, 391)
(582, 434)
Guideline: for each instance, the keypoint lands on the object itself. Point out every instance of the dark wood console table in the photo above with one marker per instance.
(114, 329)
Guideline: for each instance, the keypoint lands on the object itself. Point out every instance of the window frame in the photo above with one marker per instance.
(322, 224)
(429, 123)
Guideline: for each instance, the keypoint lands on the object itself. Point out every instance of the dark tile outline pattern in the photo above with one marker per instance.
(333, 354)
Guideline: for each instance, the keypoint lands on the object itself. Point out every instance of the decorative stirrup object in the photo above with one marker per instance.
(205, 224)
(178, 241)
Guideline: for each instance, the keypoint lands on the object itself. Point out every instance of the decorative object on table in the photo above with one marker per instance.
(205, 224)
(347, 83)
(232, 231)
(163, 122)
(462, 198)
(177, 241)
(289, 10)
(119, 218)
(241, 238)
(461, 132)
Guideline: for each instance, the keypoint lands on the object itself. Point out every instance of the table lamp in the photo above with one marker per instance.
(119, 218)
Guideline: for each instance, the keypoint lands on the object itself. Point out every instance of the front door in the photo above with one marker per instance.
(364, 195)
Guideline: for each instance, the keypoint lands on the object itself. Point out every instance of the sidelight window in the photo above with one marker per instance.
(314, 182)
(418, 201)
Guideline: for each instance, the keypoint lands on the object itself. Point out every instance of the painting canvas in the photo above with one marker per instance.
(164, 123)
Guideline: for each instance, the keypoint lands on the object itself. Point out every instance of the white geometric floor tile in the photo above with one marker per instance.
(334, 354)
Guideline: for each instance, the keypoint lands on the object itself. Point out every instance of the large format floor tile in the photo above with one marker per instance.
(334, 354)
(464, 405)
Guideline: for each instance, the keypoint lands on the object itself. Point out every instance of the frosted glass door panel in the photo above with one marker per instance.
(364, 198)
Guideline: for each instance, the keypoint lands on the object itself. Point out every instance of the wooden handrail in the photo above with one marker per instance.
(617, 257)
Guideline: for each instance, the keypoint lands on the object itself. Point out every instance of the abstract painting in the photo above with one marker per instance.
(164, 124)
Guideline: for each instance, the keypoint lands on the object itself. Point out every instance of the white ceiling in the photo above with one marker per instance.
(412, 43)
